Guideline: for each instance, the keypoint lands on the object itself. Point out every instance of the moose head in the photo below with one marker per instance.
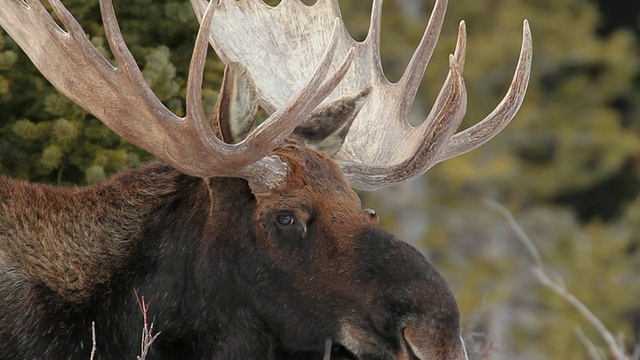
(247, 240)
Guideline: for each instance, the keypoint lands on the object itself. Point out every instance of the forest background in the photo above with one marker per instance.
(567, 167)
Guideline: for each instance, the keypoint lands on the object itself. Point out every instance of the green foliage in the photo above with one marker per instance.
(45, 137)
(7, 59)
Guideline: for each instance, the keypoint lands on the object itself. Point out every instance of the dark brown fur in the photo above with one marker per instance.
(223, 279)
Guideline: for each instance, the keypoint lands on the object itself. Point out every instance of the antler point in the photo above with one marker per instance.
(453, 64)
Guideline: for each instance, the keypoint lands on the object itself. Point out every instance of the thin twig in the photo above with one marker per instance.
(616, 351)
(478, 344)
(583, 310)
(327, 349)
(588, 344)
(93, 340)
(636, 351)
(147, 330)
(528, 244)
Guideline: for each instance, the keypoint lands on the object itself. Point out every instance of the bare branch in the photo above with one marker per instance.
(148, 337)
(588, 344)
(327, 349)
(93, 340)
(528, 244)
(538, 270)
(636, 351)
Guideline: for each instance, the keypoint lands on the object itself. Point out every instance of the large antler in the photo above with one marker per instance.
(121, 98)
(382, 148)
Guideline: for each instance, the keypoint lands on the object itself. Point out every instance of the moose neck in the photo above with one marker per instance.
(187, 264)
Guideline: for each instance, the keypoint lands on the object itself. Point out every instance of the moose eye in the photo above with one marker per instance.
(285, 219)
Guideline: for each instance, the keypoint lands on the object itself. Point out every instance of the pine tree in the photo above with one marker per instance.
(46, 138)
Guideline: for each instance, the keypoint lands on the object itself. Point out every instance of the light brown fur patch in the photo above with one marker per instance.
(73, 239)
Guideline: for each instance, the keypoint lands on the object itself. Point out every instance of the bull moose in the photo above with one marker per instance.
(246, 240)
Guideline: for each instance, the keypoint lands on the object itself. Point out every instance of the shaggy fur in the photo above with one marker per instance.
(222, 277)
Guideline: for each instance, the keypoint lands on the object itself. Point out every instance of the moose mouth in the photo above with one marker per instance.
(340, 352)
(334, 352)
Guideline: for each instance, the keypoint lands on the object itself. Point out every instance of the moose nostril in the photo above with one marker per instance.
(423, 344)
(411, 350)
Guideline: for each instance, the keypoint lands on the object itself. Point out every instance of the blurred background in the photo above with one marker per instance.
(567, 167)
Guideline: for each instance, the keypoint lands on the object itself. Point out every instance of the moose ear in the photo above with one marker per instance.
(328, 125)
(236, 108)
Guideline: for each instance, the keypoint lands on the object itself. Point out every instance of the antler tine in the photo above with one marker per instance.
(273, 130)
(429, 152)
(480, 133)
(412, 76)
(441, 127)
(430, 137)
(373, 37)
(279, 125)
(381, 148)
(443, 119)
(458, 58)
(194, 109)
(114, 38)
(121, 98)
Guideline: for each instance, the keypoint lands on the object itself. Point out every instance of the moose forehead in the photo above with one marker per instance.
(313, 180)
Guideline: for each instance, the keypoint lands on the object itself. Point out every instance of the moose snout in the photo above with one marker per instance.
(421, 343)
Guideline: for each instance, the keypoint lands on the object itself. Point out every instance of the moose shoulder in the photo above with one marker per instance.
(247, 241)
